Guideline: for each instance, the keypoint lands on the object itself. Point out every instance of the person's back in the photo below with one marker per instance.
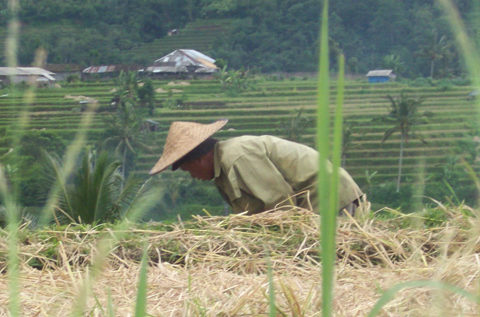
(256, 173)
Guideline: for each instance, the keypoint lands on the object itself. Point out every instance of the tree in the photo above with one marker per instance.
(146, 96)
(393, 62)
(435, 49)
(234, 81)
(404, 117)
(95, 192)
(124, 127)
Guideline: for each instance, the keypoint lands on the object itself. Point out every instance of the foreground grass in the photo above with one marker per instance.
(218, 265)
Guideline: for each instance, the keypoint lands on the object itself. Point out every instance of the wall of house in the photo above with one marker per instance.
(378, 79)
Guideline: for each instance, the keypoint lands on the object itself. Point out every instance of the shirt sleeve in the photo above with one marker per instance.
(258, 177)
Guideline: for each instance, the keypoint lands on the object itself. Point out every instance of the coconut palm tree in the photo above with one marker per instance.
(124, 128)
(123, 133)
(435, 49)
(404, 117)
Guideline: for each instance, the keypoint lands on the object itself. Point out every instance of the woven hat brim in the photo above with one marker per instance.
(182, 138)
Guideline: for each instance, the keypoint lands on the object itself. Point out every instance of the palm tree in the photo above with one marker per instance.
(94, 193)
(123, 133)
(404, 116)
(394, 62)
(124, 127)
(435, 49)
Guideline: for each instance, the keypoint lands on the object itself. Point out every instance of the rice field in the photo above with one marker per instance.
(265, 110)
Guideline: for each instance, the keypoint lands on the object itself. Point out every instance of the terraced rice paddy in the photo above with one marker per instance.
(266, 109)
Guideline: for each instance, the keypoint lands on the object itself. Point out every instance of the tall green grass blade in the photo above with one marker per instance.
(13, 272)
(99, 305)
(390, 293)
(11, 45)
(110, 309)
(272, 309)
(470, 54)
(327, 225)
(8, 197)
(337, 142)
(24, 118)
(141, 303)
(468, 49)
(465, 44)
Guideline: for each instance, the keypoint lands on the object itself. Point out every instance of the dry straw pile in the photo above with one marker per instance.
(217, 266)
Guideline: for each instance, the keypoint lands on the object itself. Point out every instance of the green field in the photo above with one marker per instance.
(265, 110)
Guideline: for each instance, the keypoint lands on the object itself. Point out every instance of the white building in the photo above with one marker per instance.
(35, 75)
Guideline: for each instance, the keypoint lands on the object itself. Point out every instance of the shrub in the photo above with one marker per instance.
(95, 193)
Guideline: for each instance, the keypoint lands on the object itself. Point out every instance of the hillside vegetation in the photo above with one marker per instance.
(271, 36)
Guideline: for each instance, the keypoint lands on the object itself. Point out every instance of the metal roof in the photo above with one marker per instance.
(26, 71)
(380, 72)
(99, 69)
(184, 60)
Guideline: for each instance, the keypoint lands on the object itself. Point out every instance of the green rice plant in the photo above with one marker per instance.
(327, 184)
(272, 309)
(390, 293)
(110, 309)
(141, 302)
(11, 209)
(8, 196)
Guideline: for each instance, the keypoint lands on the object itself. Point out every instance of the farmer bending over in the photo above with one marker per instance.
(252, 173)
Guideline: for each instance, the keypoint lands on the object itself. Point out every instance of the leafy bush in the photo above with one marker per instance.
(235, 81)
(95, 192)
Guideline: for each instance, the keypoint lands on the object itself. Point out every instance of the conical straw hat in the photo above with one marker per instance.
(182, 138)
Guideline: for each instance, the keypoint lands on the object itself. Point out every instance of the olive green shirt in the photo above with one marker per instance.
(258, 173)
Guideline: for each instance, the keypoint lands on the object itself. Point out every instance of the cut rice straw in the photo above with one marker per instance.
(227, 261)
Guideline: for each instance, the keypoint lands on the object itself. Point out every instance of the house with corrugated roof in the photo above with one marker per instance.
(107, 71)
(183, 61)
(380, 76)
(34, 75)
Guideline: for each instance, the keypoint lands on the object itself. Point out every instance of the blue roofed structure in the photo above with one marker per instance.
(380, 76)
